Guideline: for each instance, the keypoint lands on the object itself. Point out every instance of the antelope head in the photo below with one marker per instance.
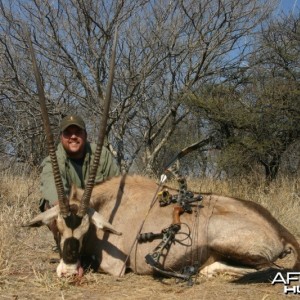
(72, 218)
(73, 223)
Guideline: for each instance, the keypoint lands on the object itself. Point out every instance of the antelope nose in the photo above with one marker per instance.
(70, 253)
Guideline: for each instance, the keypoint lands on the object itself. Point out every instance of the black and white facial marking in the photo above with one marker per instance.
(72, 230)
(70, 250)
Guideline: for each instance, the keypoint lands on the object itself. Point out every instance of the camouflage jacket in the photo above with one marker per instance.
(107, 168)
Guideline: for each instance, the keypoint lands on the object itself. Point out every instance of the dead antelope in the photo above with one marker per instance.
(235, 235)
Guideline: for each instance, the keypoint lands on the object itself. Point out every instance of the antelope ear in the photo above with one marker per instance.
(43, 218)
(100, 223)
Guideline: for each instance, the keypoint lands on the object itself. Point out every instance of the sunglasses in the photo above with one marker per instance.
(70, 132)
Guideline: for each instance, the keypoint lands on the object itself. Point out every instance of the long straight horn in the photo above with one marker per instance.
(91, 180)
(57, 177)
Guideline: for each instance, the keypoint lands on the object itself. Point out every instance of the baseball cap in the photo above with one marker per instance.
(71, 120)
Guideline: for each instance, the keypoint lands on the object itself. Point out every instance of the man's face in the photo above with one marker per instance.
(73, 139)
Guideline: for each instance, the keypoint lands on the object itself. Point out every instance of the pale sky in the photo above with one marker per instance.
(290, 5)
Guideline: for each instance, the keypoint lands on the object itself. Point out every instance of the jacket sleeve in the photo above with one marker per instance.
(47, 184)
(107, 167)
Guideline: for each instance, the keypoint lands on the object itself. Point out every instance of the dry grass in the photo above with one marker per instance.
(25, 271)
(18, 194)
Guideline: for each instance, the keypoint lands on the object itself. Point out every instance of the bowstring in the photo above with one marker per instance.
(154, 199)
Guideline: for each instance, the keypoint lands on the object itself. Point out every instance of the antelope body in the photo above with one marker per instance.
(226, 233)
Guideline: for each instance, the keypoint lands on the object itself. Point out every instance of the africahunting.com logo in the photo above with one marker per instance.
(288, 279)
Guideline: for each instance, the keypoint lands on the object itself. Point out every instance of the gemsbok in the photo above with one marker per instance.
(220, 234)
